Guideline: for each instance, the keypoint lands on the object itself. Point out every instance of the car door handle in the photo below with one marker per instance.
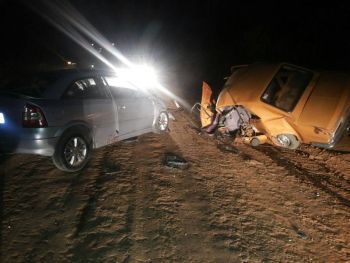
(123, 107)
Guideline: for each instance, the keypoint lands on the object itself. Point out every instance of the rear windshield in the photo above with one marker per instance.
(29, 85)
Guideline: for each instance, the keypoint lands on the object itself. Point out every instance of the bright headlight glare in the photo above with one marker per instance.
(2, 118)
(140, 76)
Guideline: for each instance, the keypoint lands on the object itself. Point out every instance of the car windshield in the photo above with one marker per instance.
(287, 87)
(29, 85)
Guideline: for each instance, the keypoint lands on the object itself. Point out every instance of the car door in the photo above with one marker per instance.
(123, 94)
(135, 109)
(146, 111)
(91, 103)
(206, 112)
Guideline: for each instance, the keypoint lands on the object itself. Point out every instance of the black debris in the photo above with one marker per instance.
(174, 161)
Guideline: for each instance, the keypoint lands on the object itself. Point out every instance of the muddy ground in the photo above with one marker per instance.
(233, 203)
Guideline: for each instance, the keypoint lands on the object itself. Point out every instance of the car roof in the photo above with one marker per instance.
(66, 76)
(250, 81)
(79, 71)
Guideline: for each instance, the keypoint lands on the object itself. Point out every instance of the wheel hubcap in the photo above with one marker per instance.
(283, 140)
(75, 151)
(163, 121)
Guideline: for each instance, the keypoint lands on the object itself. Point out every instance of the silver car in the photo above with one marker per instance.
(67, 113)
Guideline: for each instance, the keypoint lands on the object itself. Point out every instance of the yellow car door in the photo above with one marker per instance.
(206, 114)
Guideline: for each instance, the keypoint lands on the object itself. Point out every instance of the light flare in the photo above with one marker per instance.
(68, 20)
(2, 118)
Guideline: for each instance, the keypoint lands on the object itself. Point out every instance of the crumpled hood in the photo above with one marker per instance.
(327, 101)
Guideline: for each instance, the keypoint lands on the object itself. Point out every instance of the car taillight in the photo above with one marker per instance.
(33, 117)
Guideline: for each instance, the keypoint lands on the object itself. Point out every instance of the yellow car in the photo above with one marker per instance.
(283, 104)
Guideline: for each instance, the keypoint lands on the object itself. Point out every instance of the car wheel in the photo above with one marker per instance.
(288, 141)
(162, 122)
(72, 152)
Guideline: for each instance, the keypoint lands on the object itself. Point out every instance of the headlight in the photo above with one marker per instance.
(141, 76)
(2, 118)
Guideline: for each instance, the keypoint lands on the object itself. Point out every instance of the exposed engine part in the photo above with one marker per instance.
(237, 119)
(231, 120)
(247, 130)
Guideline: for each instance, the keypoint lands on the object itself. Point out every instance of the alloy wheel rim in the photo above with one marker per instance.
(163, 121)
(75, 151)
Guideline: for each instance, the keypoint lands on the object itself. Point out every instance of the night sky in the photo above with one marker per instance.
(187, 41)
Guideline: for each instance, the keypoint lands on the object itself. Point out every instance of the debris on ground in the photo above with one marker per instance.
(171, 116)
(174, 161)
(231, 149)
(177, 104)
(300, 233)
(228, 148)
(111, 168)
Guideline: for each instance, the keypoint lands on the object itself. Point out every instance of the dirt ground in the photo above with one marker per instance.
(233, 203)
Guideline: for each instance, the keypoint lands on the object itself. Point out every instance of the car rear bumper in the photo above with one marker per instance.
(14, 139)
(44, 147)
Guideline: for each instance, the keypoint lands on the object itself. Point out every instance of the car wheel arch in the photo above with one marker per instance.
(82, 147)
(79, 126)
(280, 126)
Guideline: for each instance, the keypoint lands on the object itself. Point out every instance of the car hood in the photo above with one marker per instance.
(327, 101)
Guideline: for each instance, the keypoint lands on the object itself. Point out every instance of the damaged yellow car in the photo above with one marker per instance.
(282, 104)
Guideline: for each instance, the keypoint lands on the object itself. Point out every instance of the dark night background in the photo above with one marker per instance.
(187, 41)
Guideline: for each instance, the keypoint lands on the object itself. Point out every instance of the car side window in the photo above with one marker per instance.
(120, 89)
(141, 94)
(122, 93)
(287, 87)
(87, 88)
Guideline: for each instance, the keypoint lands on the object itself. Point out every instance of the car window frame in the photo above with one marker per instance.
(99, 83)
(302, 94)
(134, 89)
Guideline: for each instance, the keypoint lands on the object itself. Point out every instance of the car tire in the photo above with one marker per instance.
(73, 151)
(162, 124)
(288, 141)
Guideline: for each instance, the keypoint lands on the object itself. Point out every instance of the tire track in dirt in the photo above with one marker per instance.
(154, 222)
(328, 214)
(28, 179)
(299, 164)
(338, 162)
(89, 209)
(277, 217)
(103, 225)
(171, 211)
(223, 224)
(333, 163)
(62, 210)
(309, 171)
(54, 211)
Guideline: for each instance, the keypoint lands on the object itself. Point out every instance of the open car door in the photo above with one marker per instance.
(206, 113)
